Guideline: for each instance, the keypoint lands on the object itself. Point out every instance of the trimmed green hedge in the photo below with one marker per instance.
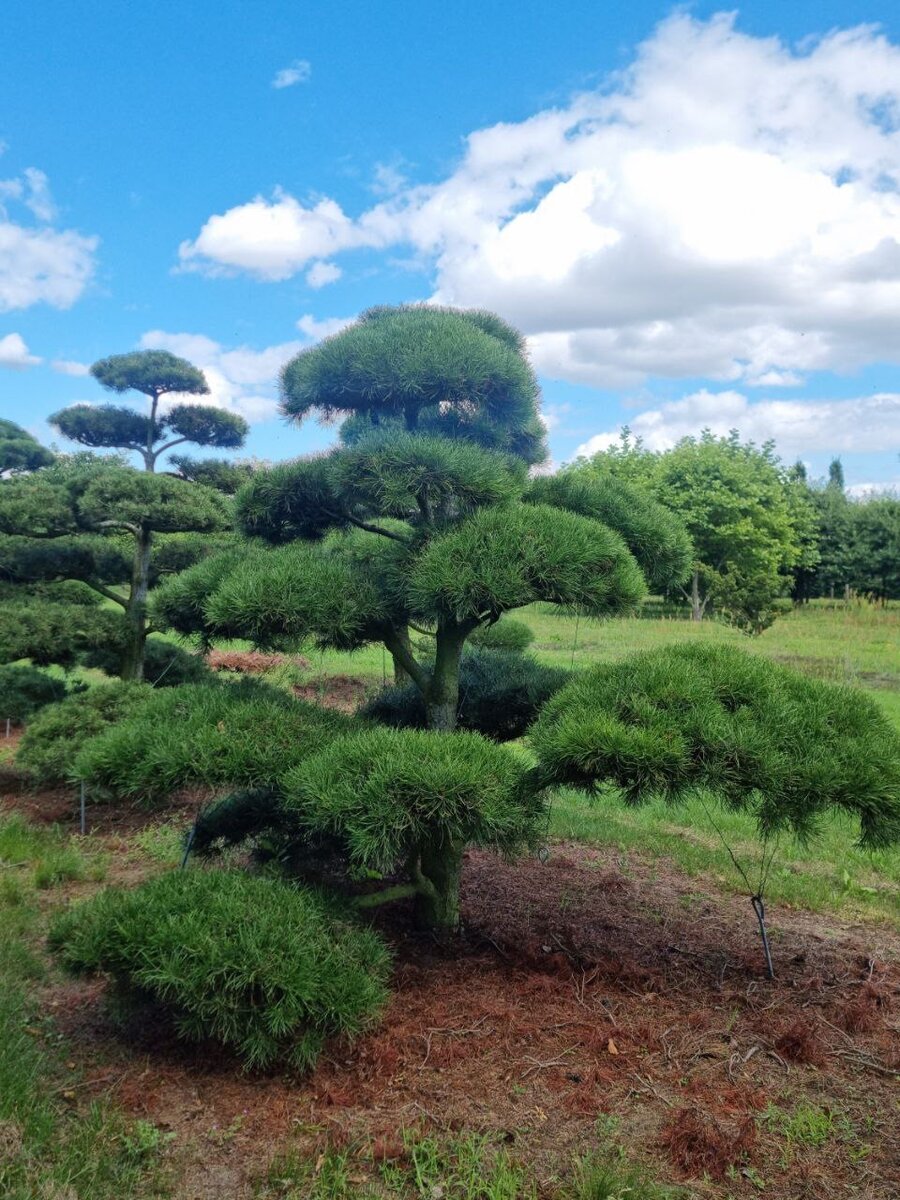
(265, 968)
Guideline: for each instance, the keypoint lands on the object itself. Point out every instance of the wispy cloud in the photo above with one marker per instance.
(298, 72)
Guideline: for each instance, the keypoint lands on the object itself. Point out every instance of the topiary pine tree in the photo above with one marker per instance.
(419, 524)
(409, 529)
(50, 512)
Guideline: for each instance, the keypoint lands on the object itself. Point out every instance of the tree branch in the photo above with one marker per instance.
(408, 662)
(399, 891)
(168, 446)
(105, 591)
(397, 537)
(135, 529)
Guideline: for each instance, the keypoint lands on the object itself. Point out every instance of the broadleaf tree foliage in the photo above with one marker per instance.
(96, 520)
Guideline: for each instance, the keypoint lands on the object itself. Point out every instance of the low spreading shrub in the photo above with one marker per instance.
(500, 694)
(211, 734)
(55, 735)
(267, 969)
(757, 735)
(409, 802)
(25, 690)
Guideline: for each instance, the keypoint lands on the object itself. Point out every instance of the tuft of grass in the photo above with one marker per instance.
(49, 856)
(49, 1148)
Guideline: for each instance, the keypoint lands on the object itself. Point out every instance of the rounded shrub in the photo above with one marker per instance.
(210, 734)
(389, 794)
(757, 736)
(25, 690)
(267, 969)
(505, 634)
(53, 738)
(500, 695)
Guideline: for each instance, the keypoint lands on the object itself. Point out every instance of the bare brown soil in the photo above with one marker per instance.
(342, 692)
(253, 662)
(593, 989)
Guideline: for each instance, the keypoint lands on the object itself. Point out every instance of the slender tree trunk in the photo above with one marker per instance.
(696, 606)
(136, 609)
(437, 902)
(442, 694)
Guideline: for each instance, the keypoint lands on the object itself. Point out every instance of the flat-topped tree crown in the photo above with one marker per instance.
(459, 373)
(153, 372)
(19, 451)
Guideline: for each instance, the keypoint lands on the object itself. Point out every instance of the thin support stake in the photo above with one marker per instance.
(575, 638)
(188, 845)
(8, 724)
(760, 909)
(81, 810)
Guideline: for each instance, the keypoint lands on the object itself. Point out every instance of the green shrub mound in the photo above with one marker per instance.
(210, 734)
(758, 736)
(25, 690)
(266, 969)
(505, 634)
(394, 795)
(500, 695)
(53, 738)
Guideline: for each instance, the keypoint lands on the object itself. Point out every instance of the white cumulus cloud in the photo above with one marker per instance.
(14, 353)
(38, 262)
(798, 427)
(322, 273)
(727, 207)
(67, 366)
(298, 72)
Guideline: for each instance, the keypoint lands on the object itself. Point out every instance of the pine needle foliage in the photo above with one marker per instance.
(397, 361)
(757, 736)
(213, 735)
(24, 690)
(510, 556)
(268, 970)
(393, 795)
(55, 735)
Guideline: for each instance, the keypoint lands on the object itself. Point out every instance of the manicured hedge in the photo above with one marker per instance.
(25, 690)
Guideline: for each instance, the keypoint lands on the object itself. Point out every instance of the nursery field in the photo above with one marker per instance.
(604, 1030)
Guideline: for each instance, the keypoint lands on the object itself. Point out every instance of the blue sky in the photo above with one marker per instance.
(694, 217)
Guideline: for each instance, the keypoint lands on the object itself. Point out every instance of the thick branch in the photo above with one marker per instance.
(105, 591)
(400, 891)
(406, 659)
(135, 529)
(168, 446)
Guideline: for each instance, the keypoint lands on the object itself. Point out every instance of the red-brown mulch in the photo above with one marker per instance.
(595, 987)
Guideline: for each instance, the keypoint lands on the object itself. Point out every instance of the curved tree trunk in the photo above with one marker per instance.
(401, 675)
(136, 609)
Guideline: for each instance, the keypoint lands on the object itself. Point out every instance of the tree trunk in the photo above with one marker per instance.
(696, 606)
(442, 694)
(401, 675)
(136, 609)
(437, 903)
